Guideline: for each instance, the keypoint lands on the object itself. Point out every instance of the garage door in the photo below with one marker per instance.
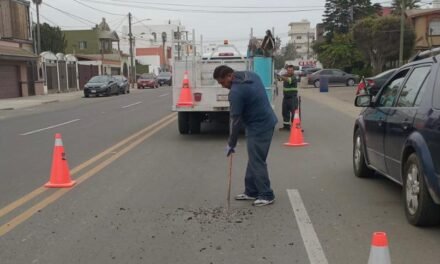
(9, 85)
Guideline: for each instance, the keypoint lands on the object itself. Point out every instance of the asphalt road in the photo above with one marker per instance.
(159, 197)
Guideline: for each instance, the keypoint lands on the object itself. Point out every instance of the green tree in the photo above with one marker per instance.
(341, 53)
(52, 39)
(409, 4)
(339, 15)
(287, 53)
(378, 39)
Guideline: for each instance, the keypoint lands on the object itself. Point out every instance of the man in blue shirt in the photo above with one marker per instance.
(250, 106)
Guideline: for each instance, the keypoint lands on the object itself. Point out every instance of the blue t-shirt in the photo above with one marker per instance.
(249, 100)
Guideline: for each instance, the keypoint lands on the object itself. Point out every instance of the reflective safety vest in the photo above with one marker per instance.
(290, 86)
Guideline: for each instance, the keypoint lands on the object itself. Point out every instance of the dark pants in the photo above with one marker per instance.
(257, 183)
(290, 104)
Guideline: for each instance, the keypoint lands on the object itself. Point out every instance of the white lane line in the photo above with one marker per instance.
(130, 105)
(164, 95)
(50, 127)
(308, 234)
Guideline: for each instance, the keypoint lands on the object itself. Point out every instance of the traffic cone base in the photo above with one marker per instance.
(60, 185)
(60, 173)
(296, 145)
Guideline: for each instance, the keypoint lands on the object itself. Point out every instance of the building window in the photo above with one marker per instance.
(434, 27)
(298, 37)
(82, 45)
(106, 46)
(298, 47)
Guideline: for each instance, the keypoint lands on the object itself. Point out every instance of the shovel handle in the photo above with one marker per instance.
(229, 181)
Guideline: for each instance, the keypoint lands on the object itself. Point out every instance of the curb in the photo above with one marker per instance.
(49, 102)
(9, 108)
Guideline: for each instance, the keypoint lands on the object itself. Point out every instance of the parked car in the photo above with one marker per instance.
(123, 84)
(147, 80)
(373, 84)
(398, 136)
(101, 85)
(334, 76)
(165, 78)
(309, 71)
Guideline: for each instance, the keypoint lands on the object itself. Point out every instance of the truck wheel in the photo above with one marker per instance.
(195, 121)
(183, 122)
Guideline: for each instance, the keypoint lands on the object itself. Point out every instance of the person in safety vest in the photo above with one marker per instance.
(290, 97)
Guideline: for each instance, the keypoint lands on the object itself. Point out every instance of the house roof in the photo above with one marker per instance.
(16, 53)
(97, 57)
(422, 12)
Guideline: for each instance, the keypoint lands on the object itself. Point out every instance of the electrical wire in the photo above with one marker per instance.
(207, 11)
(215, 6)
(98, 10)
(80, 19)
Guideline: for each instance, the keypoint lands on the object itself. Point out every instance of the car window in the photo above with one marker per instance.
(421, 92)
(391, 90)
(147, 76)
(327, 72)
(412, 86)
(164, 74)
(337, 72)
(99, 79)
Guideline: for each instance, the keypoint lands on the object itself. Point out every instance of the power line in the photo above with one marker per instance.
(99, 10)
(207, 11)
(80, 19)
(215, 6)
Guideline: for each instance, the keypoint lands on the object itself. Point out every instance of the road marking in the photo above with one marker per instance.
(308, 234)
(50, 127)
(130, 105)
(164, 95)
(4, 229)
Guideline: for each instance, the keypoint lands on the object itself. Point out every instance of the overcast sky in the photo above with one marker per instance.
(214, 26)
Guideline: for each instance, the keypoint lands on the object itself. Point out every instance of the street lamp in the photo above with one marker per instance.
(164, 39)
(38, 3)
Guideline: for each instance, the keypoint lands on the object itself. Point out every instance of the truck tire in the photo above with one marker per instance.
(195, 121)
(183, 122)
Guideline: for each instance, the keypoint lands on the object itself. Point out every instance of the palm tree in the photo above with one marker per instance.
(409, 4)
(37, 3)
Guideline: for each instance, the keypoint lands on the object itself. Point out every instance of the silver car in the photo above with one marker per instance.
(334, 76)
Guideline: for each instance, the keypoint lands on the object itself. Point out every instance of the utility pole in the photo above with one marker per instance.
(37, 4)
(402, 29)
(130, 36)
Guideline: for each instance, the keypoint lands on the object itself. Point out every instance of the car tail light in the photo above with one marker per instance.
(197, 97)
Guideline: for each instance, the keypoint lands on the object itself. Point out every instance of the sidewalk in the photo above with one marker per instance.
(29, 101)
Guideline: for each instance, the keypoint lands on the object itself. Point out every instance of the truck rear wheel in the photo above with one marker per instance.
(195, 120)
(183, 122)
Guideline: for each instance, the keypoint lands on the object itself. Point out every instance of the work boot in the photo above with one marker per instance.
(284, 128)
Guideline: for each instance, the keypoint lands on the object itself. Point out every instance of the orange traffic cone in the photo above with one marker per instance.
(379, 253)
(185, 98)
(60, 174)
(296, 136)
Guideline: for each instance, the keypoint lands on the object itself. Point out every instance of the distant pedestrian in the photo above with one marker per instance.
(290, 97)
(249, 105)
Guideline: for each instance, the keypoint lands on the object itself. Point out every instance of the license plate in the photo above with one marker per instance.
(93, 91)
(222, 97)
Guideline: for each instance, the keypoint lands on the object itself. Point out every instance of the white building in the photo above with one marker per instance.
(302, 36)
(148, 41)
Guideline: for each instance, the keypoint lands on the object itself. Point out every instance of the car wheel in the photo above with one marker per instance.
(360, 167)
(350, 82)
(420, 209)
(316, 84)
(86, 95)
(183, 122)
(108, 92)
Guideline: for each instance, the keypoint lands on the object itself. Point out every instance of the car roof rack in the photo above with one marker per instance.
(425, 54)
